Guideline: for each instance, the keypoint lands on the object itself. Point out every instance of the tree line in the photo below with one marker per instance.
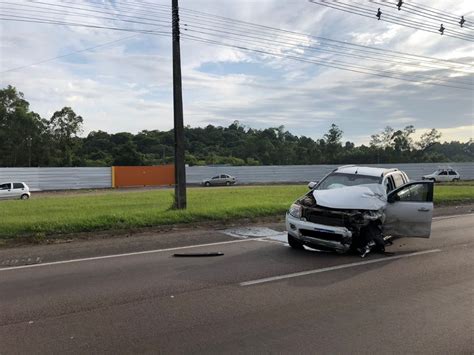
(27, 139)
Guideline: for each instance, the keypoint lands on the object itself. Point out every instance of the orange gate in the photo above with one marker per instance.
(127, 176)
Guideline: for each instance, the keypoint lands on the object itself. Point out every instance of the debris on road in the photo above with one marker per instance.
(182, 255)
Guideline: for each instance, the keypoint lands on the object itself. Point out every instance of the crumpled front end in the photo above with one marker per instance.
(335, 228)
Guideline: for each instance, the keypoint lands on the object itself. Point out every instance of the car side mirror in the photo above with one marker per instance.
(312, 184)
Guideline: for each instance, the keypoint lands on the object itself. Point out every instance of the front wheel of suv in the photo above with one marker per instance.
(295, 243)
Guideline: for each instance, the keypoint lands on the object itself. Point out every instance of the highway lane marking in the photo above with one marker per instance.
(127, 254)
(337, 267)
(266, 238)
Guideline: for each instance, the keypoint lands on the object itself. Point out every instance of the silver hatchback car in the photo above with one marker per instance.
(220, 180)
(14, 191)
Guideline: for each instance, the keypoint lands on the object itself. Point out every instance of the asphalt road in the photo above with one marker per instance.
(260, 297)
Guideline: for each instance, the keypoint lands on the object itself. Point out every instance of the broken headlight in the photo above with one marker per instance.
(295, 210)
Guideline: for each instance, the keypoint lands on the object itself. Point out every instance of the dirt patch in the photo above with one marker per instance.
(453, 209)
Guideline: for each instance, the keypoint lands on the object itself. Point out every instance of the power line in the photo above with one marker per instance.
(370, 13)
(325, 39)
(346, 67)
(78, 8)
(208, 17)
(335, 51)
(368, 52)
(407, 7)
(403, 21)
(73, 24)
(427, 24)
(14, 14)
(346, 64)
(162, 7)
(410, 24)
(432, 9)
(258, 39)
(288, 40)
(50, 11)
(88, 49)
(101, 6)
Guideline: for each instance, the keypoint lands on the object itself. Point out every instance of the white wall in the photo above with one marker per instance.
(93, 178)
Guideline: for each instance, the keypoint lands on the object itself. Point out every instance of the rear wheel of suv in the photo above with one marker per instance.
(295, 243)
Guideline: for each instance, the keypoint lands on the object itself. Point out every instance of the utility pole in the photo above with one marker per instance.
(179, 167)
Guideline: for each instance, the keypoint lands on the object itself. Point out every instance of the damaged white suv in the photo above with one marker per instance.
(360, 208)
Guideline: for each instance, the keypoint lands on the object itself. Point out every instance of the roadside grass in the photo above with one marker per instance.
(65, 214)
(453, 193)
(457, 183)
(73, 214)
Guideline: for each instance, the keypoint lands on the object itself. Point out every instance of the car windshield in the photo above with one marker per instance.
(338, 180)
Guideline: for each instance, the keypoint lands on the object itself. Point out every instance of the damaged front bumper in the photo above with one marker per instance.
(313, 234)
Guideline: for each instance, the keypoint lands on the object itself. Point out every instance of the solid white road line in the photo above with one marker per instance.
(337, 267)
(127, 254)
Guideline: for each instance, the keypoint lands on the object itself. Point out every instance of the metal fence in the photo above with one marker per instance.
(305, 173)
(42, 179)
(92, 178)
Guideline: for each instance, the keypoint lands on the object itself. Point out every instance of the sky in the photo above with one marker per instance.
(125, 84)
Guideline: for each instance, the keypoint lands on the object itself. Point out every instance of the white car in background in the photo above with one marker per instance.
(14, 191)
(443, 175)
(220, 180)
(360, 208)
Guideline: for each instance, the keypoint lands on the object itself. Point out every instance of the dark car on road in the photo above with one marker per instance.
(220, 180)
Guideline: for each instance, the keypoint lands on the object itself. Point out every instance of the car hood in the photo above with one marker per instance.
(362, 197)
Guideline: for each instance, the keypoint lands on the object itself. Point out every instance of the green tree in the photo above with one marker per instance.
(402, 140)
(127, 155)
(383, 139)
(65, 125)
(23, 133)
(332, 140)
(429, 139)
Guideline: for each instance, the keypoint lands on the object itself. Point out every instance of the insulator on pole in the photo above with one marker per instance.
(441, 29)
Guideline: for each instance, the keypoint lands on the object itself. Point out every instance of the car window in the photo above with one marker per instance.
(413, 193)
(389, 184)
(443, 173)
(215, 177)
(5, 186)
(405, 178)
(397, 178)
(337, 180)
(452, 172)
(18, 185)
(224, 176)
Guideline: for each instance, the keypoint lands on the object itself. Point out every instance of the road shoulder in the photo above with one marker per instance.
(106, 243)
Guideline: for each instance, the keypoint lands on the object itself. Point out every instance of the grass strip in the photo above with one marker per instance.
(63, 214)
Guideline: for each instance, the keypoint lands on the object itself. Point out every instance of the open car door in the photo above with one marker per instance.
(410, 210)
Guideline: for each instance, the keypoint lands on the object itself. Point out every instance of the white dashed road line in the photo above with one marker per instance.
(337, 267)
(244, 234)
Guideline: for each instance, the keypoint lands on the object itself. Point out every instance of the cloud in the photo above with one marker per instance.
(127, 85)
